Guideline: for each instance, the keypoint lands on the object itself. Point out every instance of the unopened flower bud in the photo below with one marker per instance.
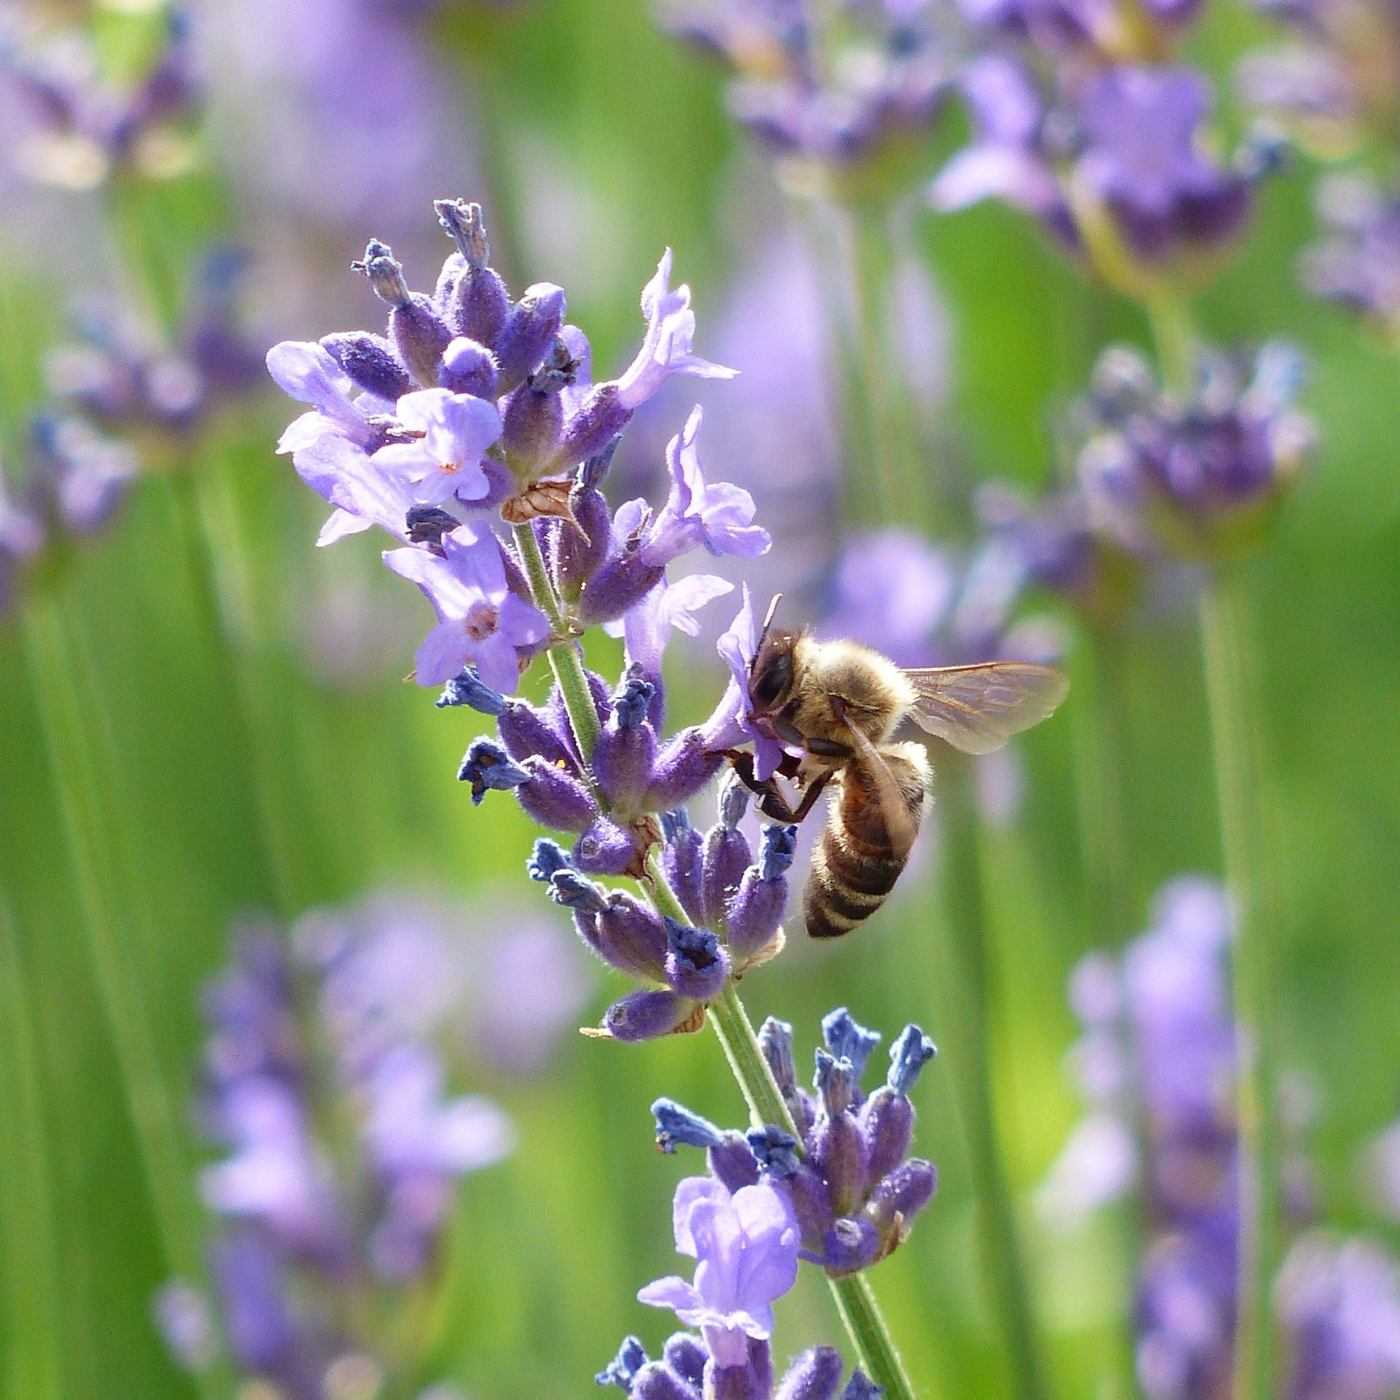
(620, 583)
(887, 1120)
(735, 1383)
(897, 1199)
(370, 362)
(686, 1355)
(480, 303)
(835, 1081)
(468, 367)
(727, 852)
(577, 892)
(848, 1040)
(775, 1041)
(861, 1387)
(678, 1125)
(811, 1204)
(646, 1015)
(733, 1163)
(622, 1369)
(605, 848)
(696, 965)
(681, 862)
(815, 1375)
(578, 552)
(547, 858)
(682, 768)
(527, 732)
(528, 333)
(774, 1149)
(417, 333)
(756, 911)
(467, 688)
(851, 1243)
(839, 1154)
(657, 1381)
(908, 1056)
(555, 798)
(633, 938)
(623, 759)
(488, 766)
(597, 422)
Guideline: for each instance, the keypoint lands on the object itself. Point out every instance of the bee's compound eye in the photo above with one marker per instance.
(771, 683)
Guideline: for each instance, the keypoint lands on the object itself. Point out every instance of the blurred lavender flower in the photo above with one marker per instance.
(79, 125)
(343, 1032)
(826, 89)
(1381, 1170)
(852, 1188)
(1357, 261)
(1199, 477)
(1339, 1301)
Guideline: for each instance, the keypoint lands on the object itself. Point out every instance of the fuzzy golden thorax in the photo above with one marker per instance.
(836, 679)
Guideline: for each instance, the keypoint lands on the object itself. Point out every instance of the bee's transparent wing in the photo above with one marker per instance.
(978, 708)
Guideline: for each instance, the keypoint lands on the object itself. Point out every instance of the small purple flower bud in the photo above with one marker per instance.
(575, 891)
(527, 732)
(755, 914)
(427, 525)
(633, 939)
(467, 688)
(468, 367)
(682, 768)
(370, 362)
(579, 552)
(530, 427)
(657, 1381)
(847, 1039)
(528, 333)
(418, 335)
(815, 1375)
(850, 1245)
(897, 1199)
(622, 764)
(555, 798)
(593, 426)
(620, 583)
(686, 1356)
(676, 1124)
(488, 766)
(908, 1056)
(605, 848)
(779, 848)
(835, 1081)
(622, 1369)
(681, 862)
(839, 1154)
(727, 851)
(735, 1383)
(732, 1163)
(631, 701)
(775, 1150)
(775, 1040)
(546, 859)
(481, 303)
(647, 1015)
(811, 1204)
(696, 965)
(861, 1387)
(887, 1120)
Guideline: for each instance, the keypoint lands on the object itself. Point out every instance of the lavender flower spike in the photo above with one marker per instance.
(666, 349)
(480, 621)
(746, 1247)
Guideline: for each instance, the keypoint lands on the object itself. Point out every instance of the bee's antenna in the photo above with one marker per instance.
(768, 621)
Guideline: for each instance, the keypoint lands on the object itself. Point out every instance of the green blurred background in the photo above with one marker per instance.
(352, 785)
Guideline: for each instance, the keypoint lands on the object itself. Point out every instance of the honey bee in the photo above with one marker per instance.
(840, 704)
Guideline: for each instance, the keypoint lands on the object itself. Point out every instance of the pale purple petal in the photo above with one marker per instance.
(689, 1191)
(670, 1292)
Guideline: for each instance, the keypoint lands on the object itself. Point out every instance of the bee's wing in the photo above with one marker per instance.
(978, 708)
(898, 822)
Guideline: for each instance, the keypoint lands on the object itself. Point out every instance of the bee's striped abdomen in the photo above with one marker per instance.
(855, 865)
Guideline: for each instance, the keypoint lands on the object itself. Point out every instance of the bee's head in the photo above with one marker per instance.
(772, 670)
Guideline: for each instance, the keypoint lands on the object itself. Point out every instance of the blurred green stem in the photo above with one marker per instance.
(855, 1299)
(1231, 670)
(970, 1060)
(71, 711)
(1169, 314)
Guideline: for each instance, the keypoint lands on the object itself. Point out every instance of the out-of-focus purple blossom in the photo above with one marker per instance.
(745, 1246)
(1357, 262)
(1339, 1301)
(830, 88)
(79, 128)
(1333, 85)
(852, 1187)
(1193, 477)
(1381, 1170)
(343, 1029)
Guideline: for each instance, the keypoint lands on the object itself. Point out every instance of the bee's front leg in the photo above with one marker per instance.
(771, 800)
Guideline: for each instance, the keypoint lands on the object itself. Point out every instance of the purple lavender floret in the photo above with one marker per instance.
(836, 87)
(1195, 475)
(689, 1370)
(340, 1033)
(1357, 261)
(853, 1188)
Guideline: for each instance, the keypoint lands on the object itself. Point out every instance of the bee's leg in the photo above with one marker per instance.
(771, 800)
(809, 797)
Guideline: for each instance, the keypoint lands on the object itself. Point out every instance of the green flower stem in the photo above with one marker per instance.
(855, 1299)
(970, 1059)
(564, 658)
(70, 711)
(1169, 314)
(1231, 682)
